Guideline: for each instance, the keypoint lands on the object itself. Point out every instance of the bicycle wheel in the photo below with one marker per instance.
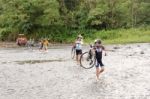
(87, 61)
(73, 53)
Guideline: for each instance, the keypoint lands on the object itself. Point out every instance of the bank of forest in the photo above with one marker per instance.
(114, 21)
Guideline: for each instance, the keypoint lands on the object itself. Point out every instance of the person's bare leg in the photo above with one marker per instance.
(76, 58)
(46, 48)
(102, 70)
(97, 73)
(78, 62)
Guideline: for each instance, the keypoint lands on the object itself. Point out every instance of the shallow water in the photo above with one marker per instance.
(37, 61)
(30, 74)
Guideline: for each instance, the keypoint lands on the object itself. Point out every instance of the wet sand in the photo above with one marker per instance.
(27, 74)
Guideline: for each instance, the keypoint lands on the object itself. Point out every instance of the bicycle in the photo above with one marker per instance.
(88, 59)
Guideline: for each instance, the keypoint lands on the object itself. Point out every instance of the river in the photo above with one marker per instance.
(31, 74)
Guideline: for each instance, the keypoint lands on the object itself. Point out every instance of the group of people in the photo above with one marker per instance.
(97, 48)
(43, 44)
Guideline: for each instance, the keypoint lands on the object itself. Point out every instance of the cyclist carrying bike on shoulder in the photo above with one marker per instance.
(99, 49)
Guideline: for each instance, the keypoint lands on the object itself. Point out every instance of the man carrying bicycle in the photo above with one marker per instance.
(99, 48)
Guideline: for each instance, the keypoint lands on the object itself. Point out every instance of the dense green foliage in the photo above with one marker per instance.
(62, 20)
(122, 36)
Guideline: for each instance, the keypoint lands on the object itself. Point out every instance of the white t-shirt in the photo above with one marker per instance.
(79, 45)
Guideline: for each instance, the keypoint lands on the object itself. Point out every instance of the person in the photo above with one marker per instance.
(41, 45)
(78, 47)
(45, 44)
(30, 43)
(99, 49)
(21, 40)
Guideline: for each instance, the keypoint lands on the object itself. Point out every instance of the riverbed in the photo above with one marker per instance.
(31, 74)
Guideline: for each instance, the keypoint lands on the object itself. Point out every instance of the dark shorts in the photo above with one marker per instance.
(78, 52)
(99, 63)
(41, 46)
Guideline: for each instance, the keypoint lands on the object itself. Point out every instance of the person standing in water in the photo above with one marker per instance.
(45, 44)
(99, 49)
(78, 47)
(41, 44)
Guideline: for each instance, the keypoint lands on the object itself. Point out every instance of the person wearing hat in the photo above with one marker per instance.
(80, 36)
(78, 47)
